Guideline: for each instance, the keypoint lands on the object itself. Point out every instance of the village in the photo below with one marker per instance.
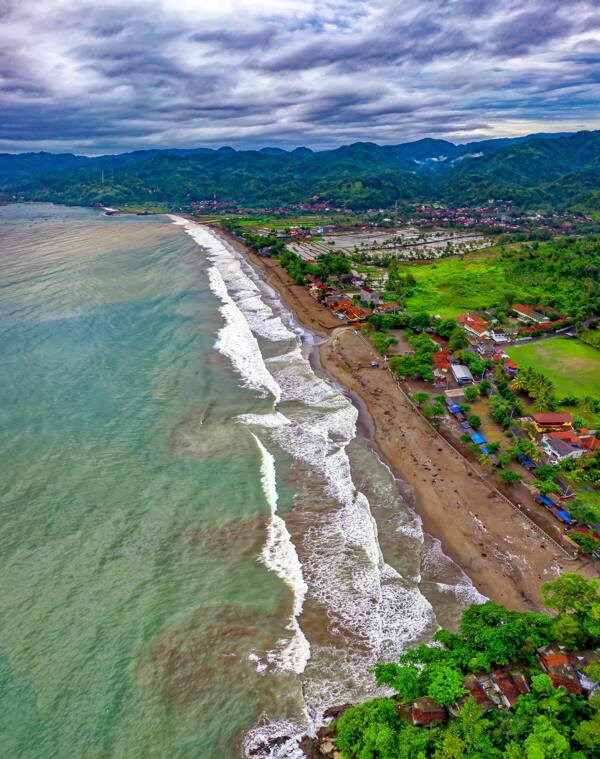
(312, 219)
(502, 687)
(461, 373)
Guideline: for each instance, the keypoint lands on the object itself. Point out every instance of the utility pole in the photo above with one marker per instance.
(102, 176)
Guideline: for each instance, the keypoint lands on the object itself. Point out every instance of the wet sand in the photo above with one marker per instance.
(497, 547)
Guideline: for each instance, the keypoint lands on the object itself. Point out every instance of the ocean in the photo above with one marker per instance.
(199, 549)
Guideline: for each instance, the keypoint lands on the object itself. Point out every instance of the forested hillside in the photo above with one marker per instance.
(534, 172)
(539, 172)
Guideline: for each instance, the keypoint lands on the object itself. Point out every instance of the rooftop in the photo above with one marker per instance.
(555, 417)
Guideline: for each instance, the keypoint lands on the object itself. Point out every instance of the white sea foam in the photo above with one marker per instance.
(268, 421)
(280, 556)
(344, 570)
(236, 339)
(246, 293)
(275, 740)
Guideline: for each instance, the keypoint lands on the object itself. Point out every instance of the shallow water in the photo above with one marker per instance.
(196, 550)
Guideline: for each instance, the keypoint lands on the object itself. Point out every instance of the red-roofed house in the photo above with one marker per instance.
(475, 325)
(559, 669)
(581, 438)
(507, 689)
(552, 421)
(590, 443)
(426, 711)
(530, 313)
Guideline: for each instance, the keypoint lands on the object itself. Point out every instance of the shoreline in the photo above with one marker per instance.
(495, 545)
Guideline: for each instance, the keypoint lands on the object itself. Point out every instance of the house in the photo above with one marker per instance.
(486, 347)
(579, 660)
(318, 288)
(557, 666)
(559, 450)
(369, 295)
(441, 362)
(425, 712)
(461, 374)
(476, 689)
(530, 314)
(475, 325)
(506, 687)
(582, 439)
(509, 366)
(499, 336)
(520, 681)
(561, 514)
(552, 421)
(355, 313)
(389, 308)
(339, 308)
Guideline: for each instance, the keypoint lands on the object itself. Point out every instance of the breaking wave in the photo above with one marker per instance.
(280, 556)
(337, 562)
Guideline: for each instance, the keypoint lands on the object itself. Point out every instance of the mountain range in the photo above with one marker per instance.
(535, 171)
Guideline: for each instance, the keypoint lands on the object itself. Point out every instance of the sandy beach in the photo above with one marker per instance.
(496, 546)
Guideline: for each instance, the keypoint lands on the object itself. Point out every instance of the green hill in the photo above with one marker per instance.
(534, 172)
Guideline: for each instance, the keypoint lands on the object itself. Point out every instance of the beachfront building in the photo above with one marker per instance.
(426, 712)
(553, 421)
(559, 669)
(461, 374)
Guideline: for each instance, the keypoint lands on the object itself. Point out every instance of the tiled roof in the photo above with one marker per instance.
(557, 417)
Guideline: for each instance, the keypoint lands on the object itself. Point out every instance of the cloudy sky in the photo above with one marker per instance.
(108, 76)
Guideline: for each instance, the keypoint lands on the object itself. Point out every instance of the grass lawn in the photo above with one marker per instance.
(573, 367)
(453, 285)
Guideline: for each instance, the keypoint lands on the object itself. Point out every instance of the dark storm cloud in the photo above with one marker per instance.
(94, 78)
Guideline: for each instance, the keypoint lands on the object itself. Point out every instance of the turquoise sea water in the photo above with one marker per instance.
(188, 561)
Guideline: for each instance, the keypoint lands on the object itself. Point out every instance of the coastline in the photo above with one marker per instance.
(502, 553)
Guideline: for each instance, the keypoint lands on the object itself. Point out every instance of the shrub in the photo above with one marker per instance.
(510, 477)
(474, 421)
(471, 393)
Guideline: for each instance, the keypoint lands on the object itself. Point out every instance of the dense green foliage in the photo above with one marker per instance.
(537, 172)
(563, 273)
(546, 723)
(533, 173)
(328, 265)
(419, 365)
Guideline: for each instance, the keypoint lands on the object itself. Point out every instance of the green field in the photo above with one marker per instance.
(453, 285)
(573, 367)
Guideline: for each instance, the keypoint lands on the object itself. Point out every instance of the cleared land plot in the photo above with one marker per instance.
(451, 286)
(573, 367)
(404, 243)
